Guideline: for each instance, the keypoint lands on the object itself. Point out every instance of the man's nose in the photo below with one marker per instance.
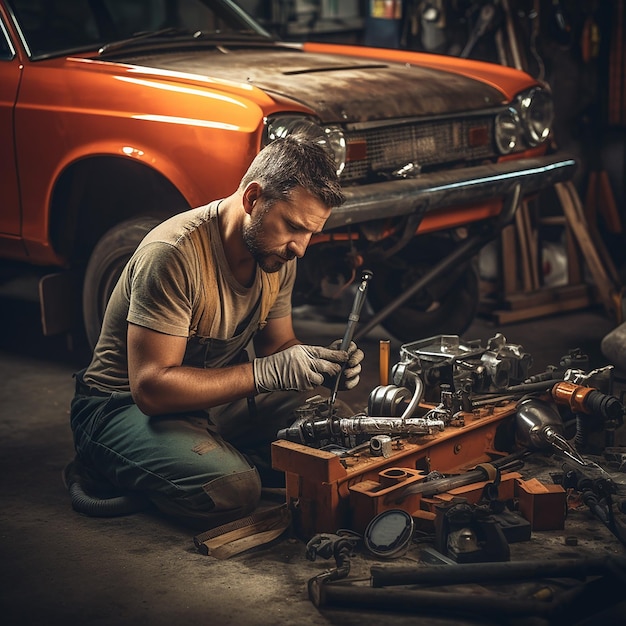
(299, 245)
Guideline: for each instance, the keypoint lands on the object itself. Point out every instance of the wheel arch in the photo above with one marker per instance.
(94, 194)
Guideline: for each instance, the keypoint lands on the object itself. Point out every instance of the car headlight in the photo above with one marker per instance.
(331, 138)
(537, 114)
(507, 130)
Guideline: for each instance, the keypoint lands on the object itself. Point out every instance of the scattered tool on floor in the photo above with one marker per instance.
(600, 581)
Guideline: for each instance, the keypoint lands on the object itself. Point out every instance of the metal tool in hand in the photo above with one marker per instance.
(353, 318)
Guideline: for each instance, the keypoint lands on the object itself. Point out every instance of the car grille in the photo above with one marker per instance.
(381, 151)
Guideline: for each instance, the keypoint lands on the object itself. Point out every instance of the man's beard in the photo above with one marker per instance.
(255, 242)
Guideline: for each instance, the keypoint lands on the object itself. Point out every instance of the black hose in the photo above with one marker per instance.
(115, 506)
(99, 506)
(583, 427)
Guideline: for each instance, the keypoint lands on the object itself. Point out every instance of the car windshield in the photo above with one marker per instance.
(55, 27)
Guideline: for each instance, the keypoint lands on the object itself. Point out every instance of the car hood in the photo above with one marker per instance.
(337, 88)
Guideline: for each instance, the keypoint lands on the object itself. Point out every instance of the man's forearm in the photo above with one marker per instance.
(181, 388)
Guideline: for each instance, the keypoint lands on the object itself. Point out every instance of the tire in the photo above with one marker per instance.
(445, 307)
(106, 263)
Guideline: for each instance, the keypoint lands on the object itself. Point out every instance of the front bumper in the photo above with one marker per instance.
(443, 190)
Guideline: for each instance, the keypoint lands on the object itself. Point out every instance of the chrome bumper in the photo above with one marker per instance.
(441, 190)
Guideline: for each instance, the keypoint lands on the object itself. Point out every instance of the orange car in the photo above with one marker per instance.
(117, 113)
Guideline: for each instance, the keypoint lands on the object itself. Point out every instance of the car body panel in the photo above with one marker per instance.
(10, 75)
(335, 88)
(506, 79)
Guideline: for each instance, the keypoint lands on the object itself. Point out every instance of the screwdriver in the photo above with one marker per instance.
(353, 318)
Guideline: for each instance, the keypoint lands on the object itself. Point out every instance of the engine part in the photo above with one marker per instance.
(312, 432)
(594, 411)
(380, 445)
(389, 400)
(539, 427)
(588, 400)
(358, 466)
(466, 367)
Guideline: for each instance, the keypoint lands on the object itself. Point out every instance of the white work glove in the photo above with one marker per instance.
(350, 377)
(298, 368)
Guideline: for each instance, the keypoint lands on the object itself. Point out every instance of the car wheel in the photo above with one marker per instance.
(106, 263)
(445, 307)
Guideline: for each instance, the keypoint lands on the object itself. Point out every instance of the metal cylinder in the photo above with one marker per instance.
(381, 445)
(533, 416)
(384, 348)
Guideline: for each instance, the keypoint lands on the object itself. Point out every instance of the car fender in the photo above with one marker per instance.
(202, 154)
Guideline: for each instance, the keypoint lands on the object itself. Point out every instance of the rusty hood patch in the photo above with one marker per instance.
(337, 88)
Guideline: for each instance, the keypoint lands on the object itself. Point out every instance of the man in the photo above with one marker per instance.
(170, 406)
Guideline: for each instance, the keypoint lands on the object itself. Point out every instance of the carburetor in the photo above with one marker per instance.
(464, 368)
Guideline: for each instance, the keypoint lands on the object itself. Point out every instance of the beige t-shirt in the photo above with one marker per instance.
(166, 286)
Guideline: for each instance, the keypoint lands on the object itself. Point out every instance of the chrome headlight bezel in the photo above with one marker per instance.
(330, 137)
(536, 109)
(526, 122)
(507, 130)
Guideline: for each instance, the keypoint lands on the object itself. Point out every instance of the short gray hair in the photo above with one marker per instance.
(291, 162)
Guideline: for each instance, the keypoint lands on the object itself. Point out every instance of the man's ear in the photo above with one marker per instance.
(251, 194)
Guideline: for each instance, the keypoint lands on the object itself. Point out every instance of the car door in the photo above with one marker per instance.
(10, 73)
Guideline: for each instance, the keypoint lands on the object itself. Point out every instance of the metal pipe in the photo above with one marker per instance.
(417, 396)
(460, 573)
(363, 597)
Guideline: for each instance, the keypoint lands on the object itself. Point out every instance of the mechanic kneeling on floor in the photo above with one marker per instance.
(170, 406)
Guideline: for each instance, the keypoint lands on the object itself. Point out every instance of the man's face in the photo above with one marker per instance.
(281, 232)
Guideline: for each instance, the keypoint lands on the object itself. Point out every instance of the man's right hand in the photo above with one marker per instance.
(298, 368)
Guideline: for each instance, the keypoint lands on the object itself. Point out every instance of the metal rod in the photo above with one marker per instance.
(497, 572)
(353, 318)
(383, 361)
(465, 251)
(420, 601)
(429, 488)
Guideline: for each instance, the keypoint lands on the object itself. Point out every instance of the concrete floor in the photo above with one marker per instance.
(59, 567)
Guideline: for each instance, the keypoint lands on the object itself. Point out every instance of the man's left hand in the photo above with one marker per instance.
(351, 374)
